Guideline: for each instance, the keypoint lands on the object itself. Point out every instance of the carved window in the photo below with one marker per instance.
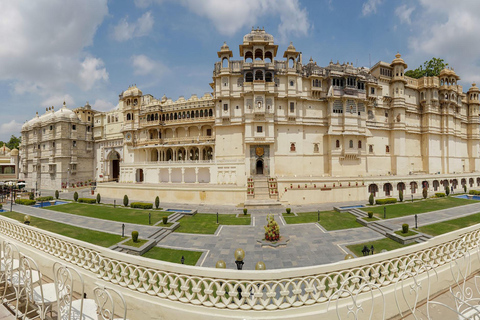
(350, 144)
(292, 147)
(315, 148)
(370, 148)
(337, 144)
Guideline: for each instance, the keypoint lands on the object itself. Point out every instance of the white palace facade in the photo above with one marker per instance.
(277, 130)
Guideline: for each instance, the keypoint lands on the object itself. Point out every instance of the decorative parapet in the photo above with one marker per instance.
(269, 290)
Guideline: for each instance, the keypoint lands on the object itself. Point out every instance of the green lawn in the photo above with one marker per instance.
(136, 216)
(96, 237)
(137, 244)
(207, 223)
(409, 208)
(378, 245)
(436, 229)
(330, 220)
(172, 255)
(408, 234)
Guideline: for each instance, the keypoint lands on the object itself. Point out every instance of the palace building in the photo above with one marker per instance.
(277, 130)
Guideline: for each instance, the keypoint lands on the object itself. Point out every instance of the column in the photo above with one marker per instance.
(196, 175)
(183, 175)
(169, 175)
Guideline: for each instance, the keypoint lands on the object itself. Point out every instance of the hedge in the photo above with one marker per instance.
(439, 194)
(141, 205)
(386, 201)
(43, 199)
(87, 200)
(26, 202)
(474, 192)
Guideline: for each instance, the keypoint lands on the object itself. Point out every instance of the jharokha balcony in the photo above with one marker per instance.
(404, 283)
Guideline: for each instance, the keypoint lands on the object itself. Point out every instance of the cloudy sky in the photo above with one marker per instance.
(92, 50)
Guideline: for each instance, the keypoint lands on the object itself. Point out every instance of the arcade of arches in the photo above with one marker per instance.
(184, 153)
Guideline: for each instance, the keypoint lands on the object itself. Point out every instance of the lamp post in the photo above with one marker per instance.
(239, 256)
(412, 197)
(260, 266)
(384, 212)
(416, 221)
(123, 230)
(318, 216)
(68, 175)
(182, 260)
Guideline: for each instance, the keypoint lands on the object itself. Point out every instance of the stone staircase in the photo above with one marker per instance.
(381, 228)
(262, 196)
(424, 237)
(358, 213)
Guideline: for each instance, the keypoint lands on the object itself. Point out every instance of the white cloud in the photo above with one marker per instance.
(404, 13)
(57, 101)
(143, 65)
(42, 42)
(103, 105)
(449, 30)
(370, 7)
(229, 17)
(10, 128)
(124, 30)
(91, 72)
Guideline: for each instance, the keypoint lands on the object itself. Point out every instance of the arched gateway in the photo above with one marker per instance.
(114, 159)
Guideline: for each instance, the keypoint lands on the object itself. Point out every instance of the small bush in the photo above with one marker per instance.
(157, 202)
(165, 219)
(31, 196)
(405, 228)
(43, 199)
(474, 192)
(245, 210)
(57, 194)
(25, 202)
(439, 194)
(141, 205)
(288, 210)
(87, 200)
(425, 193)
(1, 206)
(370, 214)
(400, 195)
(75, 196)
(386, 201)
(99, 198)
(125, 200)
(465, 188)
(447, 190)
(135, 236)
(371, 199)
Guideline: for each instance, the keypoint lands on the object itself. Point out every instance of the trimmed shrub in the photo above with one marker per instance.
(447, 190)
(87, 200)
(400, 195)
(57, 194)
(386, 201)
(165, 219)
(135, 236)
(465, 188)
(439, 194)
(245, 210)
(75, 196)
(474, 192)
(125, 200)
(157, 202)
(25, 202)
(370, 214)
(425, 193)
(141, 205)
(288, 210)
(405, 228)
(99, 198)
(371, 199)
(31, 196)
(1, 206)
(43, 199)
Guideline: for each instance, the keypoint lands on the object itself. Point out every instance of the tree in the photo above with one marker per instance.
(370, 199)
(12, 144)
(75, 196)
(447, 190)
(429, 69)
(99, 198)
(157, 202)
(57, 194)
(125, 200)
(400, 195)
(425, 193)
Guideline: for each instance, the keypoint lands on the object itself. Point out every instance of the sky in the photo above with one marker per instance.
(91, 50)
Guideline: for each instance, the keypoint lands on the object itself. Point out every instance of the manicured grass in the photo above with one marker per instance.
(408, 208)
(207, 223)
(370, 219)
(408, 234)
(137, 244)
(378, 245)
(96, 237)
(172, 255)
(330, 220)
(136, 216)
(436, 229)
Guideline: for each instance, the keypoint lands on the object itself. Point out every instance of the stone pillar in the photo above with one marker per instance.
(169, 175)
(196, 175)
(183, 175)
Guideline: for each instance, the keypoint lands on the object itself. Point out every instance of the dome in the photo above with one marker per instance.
(33, 122)
(258, 35)
(4, 149)
(474, 88)
(399, 60)
(132, 91)
(64, 113)
(14, 152)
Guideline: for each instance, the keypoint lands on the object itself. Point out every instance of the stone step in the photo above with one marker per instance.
(380, 228)
(175, 217)
(358, 213)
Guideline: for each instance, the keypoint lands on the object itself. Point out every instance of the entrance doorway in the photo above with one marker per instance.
(139, 175)
(259, 167)
(115, 169)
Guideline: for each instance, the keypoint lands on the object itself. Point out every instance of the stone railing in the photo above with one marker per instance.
(262, 291)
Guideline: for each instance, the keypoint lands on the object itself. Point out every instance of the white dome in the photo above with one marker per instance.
(64, 114)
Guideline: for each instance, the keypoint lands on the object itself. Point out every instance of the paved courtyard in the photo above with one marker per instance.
(309, 243)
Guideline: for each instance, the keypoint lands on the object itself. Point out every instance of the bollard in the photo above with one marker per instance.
(114, 202)
(318, 216)
(416, 221)
(123, 230)
(149, 218)
(384, 212)
(217, 217)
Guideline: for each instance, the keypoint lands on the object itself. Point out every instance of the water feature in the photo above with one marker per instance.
(48, 204)
(470, 197)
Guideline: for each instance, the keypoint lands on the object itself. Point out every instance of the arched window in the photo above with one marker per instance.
(167, 118)
(292, 146)
(359, 144)
(291, 62)
(135, 102)
(268, 57)
(175, 116)
(156, 116)
(258, 54)
(128, 117)
(337, 144)
(268, 77)
(350, 144)
(148, 117)
(258, 75)
(387, 149)
(210, 113)
(163, 117)
(224, 63)
(248, 56)
(201, 113)
(108, 119)
(248, 77)
(196, 114)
